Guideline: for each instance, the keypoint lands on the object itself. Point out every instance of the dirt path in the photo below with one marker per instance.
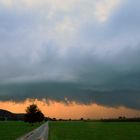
(41, 133)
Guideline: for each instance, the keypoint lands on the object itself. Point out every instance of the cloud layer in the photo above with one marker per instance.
(86, 51)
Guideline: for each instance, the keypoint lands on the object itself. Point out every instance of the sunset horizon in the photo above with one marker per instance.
(71, 109)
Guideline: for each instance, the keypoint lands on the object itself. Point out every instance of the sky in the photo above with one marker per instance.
(80, 51)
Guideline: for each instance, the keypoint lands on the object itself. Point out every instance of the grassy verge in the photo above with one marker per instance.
(94, 130)
(11, 130)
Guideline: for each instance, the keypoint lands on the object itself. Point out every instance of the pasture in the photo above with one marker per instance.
(94, 130)
(10, 130)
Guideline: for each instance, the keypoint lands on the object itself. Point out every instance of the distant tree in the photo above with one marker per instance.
(82, 119)
(54, 119)
(121, 117)
(33, 114)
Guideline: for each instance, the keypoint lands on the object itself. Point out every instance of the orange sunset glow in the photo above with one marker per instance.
(71, 110)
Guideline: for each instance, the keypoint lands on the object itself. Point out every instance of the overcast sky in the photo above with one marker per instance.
(88, 51)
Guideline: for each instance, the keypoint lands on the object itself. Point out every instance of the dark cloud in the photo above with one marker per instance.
(108, 96)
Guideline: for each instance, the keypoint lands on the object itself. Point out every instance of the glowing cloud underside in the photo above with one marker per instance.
(71, 110)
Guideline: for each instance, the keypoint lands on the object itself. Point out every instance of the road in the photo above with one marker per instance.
(41, 133)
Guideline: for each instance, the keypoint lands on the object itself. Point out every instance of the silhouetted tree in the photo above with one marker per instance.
(33, 114)
(82, 119)
(54, 119)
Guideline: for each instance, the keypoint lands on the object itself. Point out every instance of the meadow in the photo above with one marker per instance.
(10, 130)
(94, 130)
(75, 130)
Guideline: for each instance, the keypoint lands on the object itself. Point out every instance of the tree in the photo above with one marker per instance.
(33, 114)
(82, 119)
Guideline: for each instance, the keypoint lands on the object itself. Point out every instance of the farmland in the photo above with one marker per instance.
(10, 130)
(75, 130)
(94, 130)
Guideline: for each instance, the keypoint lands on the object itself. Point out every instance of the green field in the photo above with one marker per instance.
(11, 130)
(94, 131)
(76, 130)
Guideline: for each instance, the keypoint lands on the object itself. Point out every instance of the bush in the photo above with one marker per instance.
(33, 114)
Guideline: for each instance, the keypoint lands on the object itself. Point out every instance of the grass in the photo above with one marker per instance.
(10, 130)
(94, 131)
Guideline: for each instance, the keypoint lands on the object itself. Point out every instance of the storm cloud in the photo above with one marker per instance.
(83, 51)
